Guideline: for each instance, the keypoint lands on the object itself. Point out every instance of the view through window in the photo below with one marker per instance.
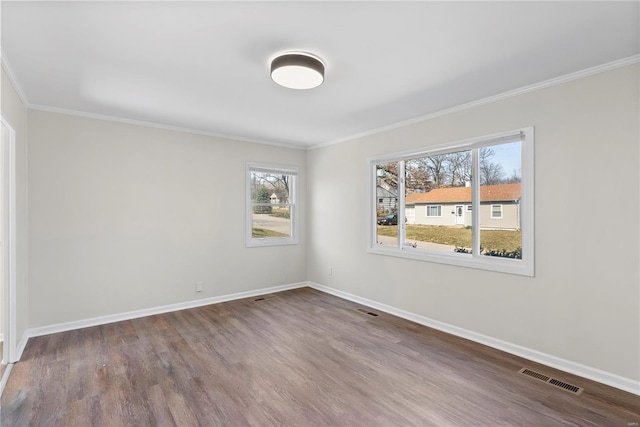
(272, 209)
(443, 199)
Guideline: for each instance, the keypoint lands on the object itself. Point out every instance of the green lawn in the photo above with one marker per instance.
(263, 232)
(489, 239)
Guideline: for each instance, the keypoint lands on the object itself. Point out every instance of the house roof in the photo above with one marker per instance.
(383, 192)
(488, 193)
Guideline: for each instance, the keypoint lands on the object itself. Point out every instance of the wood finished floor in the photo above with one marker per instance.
(299, 358)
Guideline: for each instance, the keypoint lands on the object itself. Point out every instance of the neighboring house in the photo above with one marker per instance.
(277, 198)
(499, 207)
(386, 201)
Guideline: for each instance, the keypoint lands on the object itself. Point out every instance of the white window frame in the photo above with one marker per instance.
(501, 214)
(426, 211)
(469, 208)
(293, 205)
(524, 266)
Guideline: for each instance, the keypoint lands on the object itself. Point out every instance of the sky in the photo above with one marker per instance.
(509, 156)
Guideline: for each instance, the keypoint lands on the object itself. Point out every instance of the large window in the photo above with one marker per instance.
(467, 203)
(271, 205)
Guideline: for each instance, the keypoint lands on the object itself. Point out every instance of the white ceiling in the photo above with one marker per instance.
(204, 66)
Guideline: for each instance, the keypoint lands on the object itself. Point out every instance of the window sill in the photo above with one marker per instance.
(271, 241)
(501, 265)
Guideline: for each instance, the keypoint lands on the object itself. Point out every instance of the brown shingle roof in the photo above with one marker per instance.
(488, 193)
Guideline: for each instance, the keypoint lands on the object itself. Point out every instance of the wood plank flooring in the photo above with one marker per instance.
(298, 358)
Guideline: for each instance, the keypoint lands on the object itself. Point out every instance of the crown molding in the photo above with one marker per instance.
(6, 66)
(488, 100)
(484, 101)
(160, 126)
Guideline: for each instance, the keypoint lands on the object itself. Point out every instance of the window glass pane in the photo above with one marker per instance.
(500, 194)
(270, 188)
(387, 203)
(438, 188)
(271, 221)
(271, 206)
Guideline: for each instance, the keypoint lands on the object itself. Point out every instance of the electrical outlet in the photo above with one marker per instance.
(330, 271)
(199, 286)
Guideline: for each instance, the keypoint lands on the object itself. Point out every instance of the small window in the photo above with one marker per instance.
(496, 211)
(380, 200)
(469, 208)
(271, 205)
(434, 210)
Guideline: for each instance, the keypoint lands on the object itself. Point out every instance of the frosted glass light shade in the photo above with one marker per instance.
(297, 70)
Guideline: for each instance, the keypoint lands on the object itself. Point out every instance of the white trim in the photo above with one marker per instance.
(8, 251)
(524, 266)
(111, 318)
(21, 346)
(293, 172)
(5, 378)
(13, 79)
(620, 63)
(594, 374)
(162, 126)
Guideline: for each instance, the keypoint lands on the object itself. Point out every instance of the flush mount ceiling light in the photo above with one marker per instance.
(297, 70)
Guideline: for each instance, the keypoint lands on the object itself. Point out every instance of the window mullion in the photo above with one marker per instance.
(475, 202)
(401, 207)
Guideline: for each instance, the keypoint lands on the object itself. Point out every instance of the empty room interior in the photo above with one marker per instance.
(320, 213)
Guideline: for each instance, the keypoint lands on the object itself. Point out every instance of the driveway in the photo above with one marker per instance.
(393, 241)
(275, 223)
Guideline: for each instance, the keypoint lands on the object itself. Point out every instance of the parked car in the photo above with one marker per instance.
(388, 220)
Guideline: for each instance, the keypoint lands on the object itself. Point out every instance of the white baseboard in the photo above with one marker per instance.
(584, 371)
(588, 372)
(21, 345)
(111, 318)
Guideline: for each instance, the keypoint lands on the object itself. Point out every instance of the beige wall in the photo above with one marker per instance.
(583, 304)
(126, 217)
(15, 112)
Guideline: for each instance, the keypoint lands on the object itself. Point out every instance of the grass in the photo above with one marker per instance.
(263, 232)
(489, 239)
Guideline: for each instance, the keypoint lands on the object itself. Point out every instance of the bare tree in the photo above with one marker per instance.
(437, 166)
(513, 179)
(387, 175)
(490, 173)
(459, 167)
(417, 175)
(278, 184)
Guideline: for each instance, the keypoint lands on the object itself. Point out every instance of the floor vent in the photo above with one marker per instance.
(367, 312)
(263, 297)
(554, 382)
